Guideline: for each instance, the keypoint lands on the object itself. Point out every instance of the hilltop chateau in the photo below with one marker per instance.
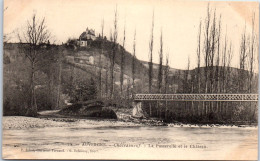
(86, 37)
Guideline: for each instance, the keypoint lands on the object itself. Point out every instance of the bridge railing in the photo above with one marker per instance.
(196, 97)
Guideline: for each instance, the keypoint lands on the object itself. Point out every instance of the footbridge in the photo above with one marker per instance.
(139, 99)
(196, 97)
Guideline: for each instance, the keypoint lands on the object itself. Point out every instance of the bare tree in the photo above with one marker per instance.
(223, 71)
(35, 34)
(217, 73)
(160, 70)
(166, 82)
(211, 46)
(108, 70)
(6, 37)
(228, 79)
(186, 86)
(59, 78)
(229, 59)
(251, 56)
(166, 74)
(122, 65)
(113, 55)
(100, 59)
(207, 46)
(251, 61)
(198, 58)
(150, 73)
(186, 77)
(133, 60)
(212, 53)
(213, 42)
(242, 60)
(106, 80)
(128, 91)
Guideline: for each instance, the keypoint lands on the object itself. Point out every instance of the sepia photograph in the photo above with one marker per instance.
(130, 79)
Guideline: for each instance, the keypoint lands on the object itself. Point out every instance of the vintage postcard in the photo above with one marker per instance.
(130, 79)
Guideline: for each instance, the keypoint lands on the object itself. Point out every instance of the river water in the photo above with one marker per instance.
(118, 142)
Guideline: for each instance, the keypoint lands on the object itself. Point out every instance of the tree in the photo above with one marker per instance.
(186, 87)
(160, 72)
(100, 60)
(6, 37)
(242, 60)
(217, 73)
(92, 90)
(213, 43)
(150, 72)
(113, 55)
(198, 58)
(133, 61)
(122, 65)
(59, 79)
(229, 59)
(207, 46)
(251, 56)
(84, 90)
(166, 84)
(106, 80)
(211, 47)
(166, 74)
(34, 36)
(224, 61)
(252, 60)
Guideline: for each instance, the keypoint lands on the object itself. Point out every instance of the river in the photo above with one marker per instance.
(79, 141)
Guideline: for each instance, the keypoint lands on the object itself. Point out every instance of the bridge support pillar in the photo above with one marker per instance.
(137, 109)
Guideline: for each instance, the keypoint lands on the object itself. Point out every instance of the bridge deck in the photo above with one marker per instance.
(197, 97)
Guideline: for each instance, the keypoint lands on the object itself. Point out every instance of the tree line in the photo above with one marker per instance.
(213, 74)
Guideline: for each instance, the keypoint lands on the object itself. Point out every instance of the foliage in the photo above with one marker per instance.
(83, 90)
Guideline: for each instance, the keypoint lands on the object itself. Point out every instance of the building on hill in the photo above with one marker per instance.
(86, 37)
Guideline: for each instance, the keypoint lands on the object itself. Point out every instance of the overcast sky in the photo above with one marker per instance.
(179, 21)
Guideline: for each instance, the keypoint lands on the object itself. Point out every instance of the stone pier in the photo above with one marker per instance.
(137, 109)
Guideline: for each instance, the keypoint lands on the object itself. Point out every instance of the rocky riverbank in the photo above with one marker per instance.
(56, 118)
(21, 122)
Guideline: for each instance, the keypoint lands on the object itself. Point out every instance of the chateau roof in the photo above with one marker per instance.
(87, 34)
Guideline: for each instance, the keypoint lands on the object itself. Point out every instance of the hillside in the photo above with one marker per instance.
(94, 50)
(79, 69)
(176, 77)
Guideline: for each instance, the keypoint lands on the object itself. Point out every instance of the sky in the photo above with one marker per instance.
(177, 19)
